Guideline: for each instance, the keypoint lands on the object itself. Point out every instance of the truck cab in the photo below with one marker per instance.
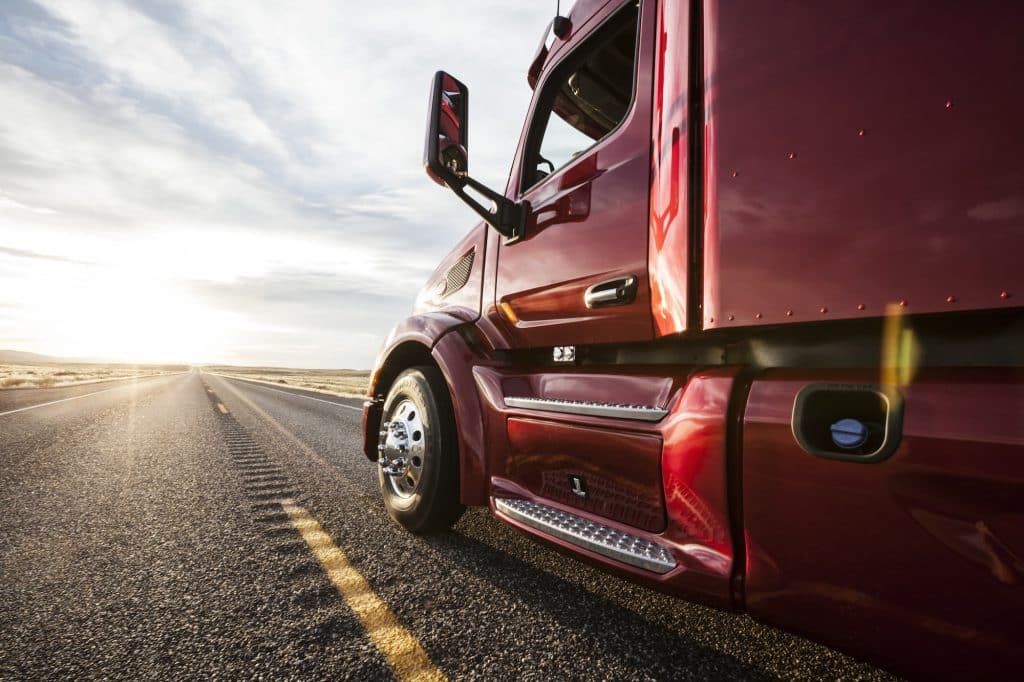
(745, 323)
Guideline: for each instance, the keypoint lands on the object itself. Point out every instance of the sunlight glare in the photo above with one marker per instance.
(126, 314)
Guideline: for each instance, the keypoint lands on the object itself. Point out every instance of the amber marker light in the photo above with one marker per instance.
(509, 312)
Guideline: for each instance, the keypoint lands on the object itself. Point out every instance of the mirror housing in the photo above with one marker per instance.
(446, 157)
(446, 152)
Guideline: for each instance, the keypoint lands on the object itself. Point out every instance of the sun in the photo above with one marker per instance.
(126, 314)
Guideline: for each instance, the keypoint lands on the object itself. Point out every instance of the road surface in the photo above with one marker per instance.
(198, 526)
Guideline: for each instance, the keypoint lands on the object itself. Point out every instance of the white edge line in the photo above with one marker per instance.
(297, 395)
(76, 397)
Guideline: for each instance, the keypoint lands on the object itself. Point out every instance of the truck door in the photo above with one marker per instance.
(579, 275)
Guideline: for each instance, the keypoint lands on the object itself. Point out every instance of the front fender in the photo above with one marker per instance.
(429, 341)
(409, 343)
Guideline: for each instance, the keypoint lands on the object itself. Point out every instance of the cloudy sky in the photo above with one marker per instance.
(237, 181)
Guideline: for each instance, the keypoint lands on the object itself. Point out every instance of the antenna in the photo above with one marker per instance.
(561, 25)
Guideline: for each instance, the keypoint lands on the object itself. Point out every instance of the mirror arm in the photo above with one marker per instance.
(509, 218)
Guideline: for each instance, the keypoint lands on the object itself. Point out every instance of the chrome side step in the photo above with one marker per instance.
(605, 540)
(645, 413)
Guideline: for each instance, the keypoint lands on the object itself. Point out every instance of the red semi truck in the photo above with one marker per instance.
(745, 324)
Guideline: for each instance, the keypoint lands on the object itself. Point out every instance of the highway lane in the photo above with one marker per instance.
(23, 399)
(145, 536)
(129, 549)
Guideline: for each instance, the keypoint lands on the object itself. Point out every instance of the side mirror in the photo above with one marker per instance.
(446, 158)
(446, 152)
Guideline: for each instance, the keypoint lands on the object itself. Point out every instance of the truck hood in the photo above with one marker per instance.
(456, 285)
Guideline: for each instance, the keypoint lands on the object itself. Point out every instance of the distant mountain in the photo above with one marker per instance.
(20, 357)
(16, 357)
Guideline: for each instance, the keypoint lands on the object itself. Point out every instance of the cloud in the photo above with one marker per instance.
(18, 253)
(291, 314)
(225, 149)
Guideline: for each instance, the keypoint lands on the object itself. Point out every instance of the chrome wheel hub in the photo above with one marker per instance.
(402, 449)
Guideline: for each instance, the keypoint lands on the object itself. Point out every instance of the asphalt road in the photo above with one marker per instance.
(198, 526)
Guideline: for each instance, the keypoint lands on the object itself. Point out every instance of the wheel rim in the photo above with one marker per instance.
(403, 449)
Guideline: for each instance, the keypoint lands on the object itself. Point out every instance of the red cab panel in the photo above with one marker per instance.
(860, 154)
(916, 561)
(695, 473)
(543, 456)
(668, 243)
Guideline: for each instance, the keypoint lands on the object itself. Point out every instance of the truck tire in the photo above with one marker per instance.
(421, 484)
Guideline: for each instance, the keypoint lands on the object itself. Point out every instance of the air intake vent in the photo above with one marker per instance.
(458, 274)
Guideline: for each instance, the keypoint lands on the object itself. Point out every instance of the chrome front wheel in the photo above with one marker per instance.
(403, 449)
(418, 452)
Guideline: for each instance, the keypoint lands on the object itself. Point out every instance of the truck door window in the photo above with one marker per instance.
(590, 94)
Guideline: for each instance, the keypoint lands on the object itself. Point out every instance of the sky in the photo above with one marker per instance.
(237, 181)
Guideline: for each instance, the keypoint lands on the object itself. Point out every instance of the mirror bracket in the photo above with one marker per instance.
(507, 217)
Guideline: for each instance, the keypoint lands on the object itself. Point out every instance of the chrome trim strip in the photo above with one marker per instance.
(605, 540)
(645, 413)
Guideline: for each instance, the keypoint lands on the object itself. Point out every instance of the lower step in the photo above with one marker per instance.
(615, 544)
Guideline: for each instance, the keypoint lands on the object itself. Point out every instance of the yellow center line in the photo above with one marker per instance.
(220, 406)
(291, 437)
(399, 647)
(403, 652)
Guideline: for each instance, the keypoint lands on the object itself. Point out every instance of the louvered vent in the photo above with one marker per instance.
(458, 274)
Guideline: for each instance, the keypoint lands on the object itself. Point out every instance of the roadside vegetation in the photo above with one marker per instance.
(351, 383)
(44, 375)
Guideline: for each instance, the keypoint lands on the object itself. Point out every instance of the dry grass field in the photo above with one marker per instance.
(351, 383)
(43, 375)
